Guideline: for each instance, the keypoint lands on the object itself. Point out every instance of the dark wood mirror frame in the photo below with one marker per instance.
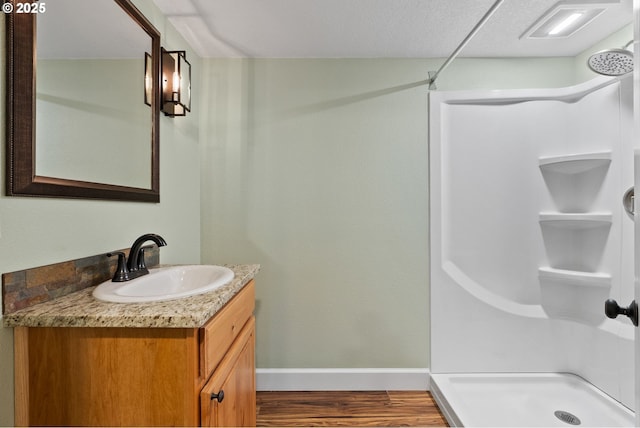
(20, 119)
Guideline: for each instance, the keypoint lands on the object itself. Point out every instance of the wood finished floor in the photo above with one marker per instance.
(346, 408)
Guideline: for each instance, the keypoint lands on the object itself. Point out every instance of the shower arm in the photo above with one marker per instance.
(434, 75)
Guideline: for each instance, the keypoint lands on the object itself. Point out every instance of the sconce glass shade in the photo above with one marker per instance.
(148, 78)
(176, 83)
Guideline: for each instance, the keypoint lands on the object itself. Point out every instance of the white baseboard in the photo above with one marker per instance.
(342, 379)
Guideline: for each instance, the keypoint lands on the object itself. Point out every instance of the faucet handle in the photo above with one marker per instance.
(141, 264)
(122, 272)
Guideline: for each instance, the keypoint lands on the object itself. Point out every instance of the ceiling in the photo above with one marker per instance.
(377, 28)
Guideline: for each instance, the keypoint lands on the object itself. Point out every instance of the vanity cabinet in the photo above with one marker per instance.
(122, 376)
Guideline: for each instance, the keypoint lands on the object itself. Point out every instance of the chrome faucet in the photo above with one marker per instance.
(135, 265)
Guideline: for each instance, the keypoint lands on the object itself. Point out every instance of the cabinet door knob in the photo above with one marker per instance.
(219, 396)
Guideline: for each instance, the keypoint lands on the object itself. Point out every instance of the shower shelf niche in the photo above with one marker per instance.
(575, 163)
(575, 237)
(576, 220)
(587, 279)
(574, 295)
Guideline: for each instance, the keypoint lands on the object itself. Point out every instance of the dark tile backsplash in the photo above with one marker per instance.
(29, 287)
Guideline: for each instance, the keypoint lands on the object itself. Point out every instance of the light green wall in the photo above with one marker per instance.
(40, 231)
(105, 96)
(317, 170)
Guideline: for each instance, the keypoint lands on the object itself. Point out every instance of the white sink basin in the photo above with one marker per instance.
(166, 283)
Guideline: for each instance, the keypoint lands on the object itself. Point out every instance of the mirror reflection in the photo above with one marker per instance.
(92, 122)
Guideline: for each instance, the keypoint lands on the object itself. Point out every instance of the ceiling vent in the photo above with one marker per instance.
(565, 19)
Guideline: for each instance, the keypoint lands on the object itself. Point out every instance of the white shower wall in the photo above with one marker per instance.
(520, 269)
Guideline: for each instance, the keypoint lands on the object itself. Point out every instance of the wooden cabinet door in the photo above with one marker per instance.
(111, 376)
(229, 398)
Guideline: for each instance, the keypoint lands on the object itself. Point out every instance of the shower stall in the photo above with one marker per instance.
(529, 238)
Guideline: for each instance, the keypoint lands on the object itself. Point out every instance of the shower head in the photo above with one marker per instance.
(612, 62)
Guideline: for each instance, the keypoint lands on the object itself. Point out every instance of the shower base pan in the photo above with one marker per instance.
(526, 400)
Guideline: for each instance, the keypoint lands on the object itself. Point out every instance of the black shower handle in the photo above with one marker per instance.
(612, 310)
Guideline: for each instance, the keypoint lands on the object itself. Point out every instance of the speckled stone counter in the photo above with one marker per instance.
(81, 309)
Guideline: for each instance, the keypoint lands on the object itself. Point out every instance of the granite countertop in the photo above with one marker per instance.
(81, 309)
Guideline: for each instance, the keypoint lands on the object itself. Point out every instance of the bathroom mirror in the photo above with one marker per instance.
(86, 124)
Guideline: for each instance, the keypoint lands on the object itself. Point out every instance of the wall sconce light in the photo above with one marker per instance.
(176, 83)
